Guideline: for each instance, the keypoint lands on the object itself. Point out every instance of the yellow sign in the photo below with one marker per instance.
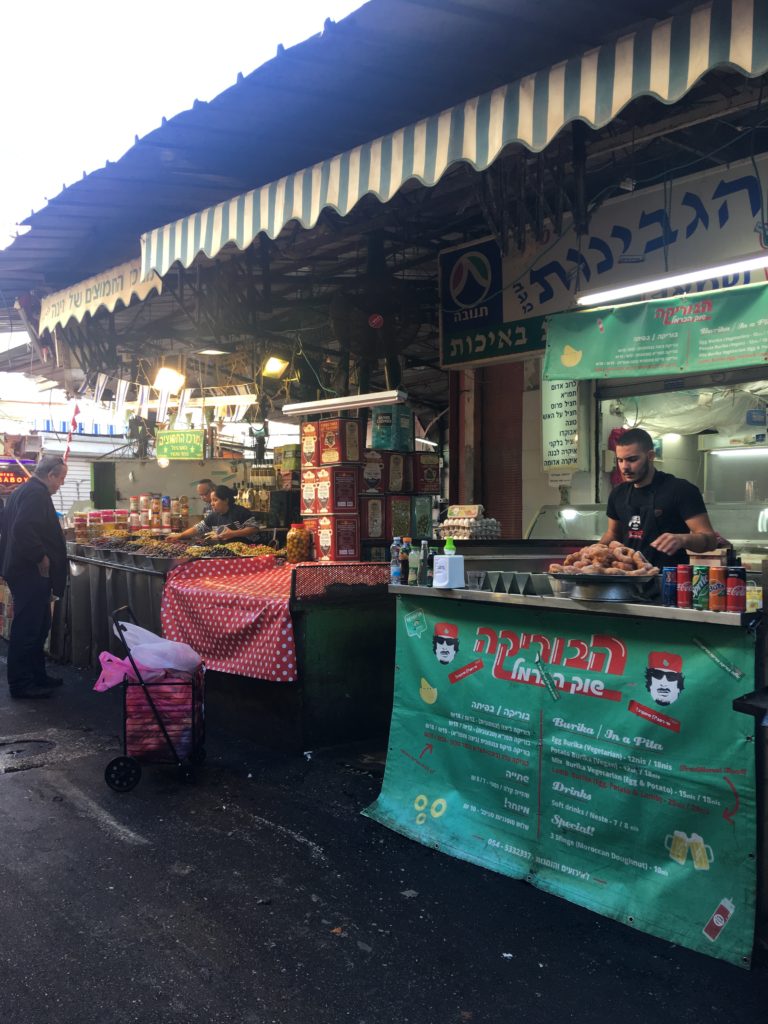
(119, 284)
(180, 444)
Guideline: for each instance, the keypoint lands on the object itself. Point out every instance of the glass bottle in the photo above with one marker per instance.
(297, 543)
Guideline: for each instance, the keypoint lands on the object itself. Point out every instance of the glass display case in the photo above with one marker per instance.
(568, 522)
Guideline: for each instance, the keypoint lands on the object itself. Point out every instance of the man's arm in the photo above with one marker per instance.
(701, 538)
(613, 532)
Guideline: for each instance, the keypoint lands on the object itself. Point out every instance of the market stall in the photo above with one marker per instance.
(301, 655)
(589, 748)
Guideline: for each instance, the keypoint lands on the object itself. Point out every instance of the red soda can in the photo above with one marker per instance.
(736, 589)
(684, 594)
(718, 575)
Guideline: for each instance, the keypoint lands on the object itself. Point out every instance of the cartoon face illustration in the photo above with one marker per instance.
(664, 678)
(445, 642)
(634, 523)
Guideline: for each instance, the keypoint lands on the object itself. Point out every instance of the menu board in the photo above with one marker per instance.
(598, 757)
(704, 331)
(562, 437)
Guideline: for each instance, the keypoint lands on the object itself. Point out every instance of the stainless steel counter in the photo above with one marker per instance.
(639, 611)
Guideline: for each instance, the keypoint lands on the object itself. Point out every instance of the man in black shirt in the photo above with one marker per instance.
(654, 512)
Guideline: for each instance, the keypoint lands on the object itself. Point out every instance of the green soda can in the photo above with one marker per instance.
(700, 587)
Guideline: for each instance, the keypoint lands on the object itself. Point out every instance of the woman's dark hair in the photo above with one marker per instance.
(224, 493)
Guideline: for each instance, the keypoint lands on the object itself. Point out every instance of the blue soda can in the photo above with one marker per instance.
(669, 585)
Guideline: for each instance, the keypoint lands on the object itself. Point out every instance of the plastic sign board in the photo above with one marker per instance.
(596, 756)
(180, 444)
(718, 330)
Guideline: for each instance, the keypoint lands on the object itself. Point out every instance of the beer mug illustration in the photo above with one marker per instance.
(700, 852)
(677, 844)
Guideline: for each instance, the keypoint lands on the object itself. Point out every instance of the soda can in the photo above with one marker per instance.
(684, 596)
(717, 579)
(669, 585)
(700, 587)
(736, 589)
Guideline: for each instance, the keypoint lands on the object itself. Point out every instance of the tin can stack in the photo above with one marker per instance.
(716, 588)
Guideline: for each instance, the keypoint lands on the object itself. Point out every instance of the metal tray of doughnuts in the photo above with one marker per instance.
(581, 586)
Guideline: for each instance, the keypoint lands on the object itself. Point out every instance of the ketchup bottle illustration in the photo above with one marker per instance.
(719, 919)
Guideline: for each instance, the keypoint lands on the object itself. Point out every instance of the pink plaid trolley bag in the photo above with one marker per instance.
(163, 717)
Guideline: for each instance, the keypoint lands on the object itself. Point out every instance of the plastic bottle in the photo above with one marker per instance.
(450, 547)
(394, 562)
(413, 567)
(405, 550)
(423, 564)
(431, 567)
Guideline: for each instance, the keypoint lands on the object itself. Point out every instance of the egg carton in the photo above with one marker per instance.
(471, 529)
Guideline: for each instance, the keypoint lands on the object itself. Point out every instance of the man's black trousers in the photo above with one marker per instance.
(29, 630)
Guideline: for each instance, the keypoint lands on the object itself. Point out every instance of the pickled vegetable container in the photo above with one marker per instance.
(298, 543)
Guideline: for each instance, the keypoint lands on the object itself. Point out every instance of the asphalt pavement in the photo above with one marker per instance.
(259, 894)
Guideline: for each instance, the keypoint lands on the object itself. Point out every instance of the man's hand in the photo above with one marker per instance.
(44, 566)
(670, 543)
(226, 534)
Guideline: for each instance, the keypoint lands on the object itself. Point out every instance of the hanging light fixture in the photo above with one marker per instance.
(346, 402)
(169, 380)
(275, 367)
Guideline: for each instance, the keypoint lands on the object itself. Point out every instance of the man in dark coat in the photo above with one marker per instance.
(33, 562)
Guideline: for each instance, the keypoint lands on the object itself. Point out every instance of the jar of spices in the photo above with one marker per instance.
(298, 543)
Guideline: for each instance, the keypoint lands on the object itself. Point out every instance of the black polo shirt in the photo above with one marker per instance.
(662, 506)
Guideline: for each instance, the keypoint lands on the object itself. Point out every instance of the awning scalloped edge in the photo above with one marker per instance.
(664, 59)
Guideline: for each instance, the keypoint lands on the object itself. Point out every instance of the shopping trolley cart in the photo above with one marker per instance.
(163, 717)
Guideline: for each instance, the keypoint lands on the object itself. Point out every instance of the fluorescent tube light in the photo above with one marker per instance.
(430, 444)
(346, 402)
(605, 298)
(740, 453)
(212, 352)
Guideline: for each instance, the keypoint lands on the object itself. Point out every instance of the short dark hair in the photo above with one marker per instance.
(223, 492)
(48, 464)
(636, 436)
(207, 482)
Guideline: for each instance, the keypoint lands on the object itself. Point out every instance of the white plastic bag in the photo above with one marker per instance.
(155, 651)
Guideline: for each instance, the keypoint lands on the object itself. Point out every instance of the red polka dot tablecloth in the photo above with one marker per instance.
(235, 612)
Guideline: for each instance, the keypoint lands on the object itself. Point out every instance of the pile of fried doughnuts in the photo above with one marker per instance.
(613, 559)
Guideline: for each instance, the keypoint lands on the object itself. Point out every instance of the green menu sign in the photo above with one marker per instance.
(597, 757)
(180, 444)
(706, 331)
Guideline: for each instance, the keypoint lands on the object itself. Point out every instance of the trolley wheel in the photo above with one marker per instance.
(198, 755)
(122, 774)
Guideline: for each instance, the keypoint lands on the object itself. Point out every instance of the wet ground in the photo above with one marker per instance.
(260, 894)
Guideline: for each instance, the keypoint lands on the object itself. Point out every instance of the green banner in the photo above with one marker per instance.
(599, 760)
(180, 444)
(706, 331)
(482, 345)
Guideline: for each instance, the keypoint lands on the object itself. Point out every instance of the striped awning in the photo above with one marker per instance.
(663, 59)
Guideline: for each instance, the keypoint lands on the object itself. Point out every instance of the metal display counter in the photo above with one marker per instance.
(590, 748)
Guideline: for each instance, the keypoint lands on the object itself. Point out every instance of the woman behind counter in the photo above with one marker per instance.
(225, 518)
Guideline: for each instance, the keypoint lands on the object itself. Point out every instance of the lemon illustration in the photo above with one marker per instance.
(427, 693)
(571, 356)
